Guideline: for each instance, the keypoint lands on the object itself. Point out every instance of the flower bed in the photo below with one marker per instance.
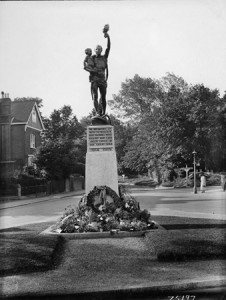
(103, 210)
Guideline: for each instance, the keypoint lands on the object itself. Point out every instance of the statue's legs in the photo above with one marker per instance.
(103, 91)
(94, 93)
(100, 107)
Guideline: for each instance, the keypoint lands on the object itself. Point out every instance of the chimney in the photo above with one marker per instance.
(5, 110)
(5, 124)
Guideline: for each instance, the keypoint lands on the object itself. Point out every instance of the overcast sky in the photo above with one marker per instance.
(42, 46)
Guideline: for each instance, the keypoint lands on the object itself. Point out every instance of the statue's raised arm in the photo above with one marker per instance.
(106, 35)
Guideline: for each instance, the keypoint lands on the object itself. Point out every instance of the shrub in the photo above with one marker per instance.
(168, 184)
(147, 182)
(213, 179)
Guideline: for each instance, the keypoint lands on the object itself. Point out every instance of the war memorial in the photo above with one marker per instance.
(106, 209)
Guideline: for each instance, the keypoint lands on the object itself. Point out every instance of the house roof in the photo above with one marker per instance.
(21, 110)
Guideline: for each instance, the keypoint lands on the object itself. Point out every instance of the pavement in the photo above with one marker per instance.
(59, 283)
(9, 203)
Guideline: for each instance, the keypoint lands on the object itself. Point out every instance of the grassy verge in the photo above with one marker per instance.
(189, 239)
(191, 244)
(23, 250)
(142, 181)
(170, 222)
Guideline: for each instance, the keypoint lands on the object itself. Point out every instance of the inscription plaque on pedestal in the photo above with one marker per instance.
(100, 138)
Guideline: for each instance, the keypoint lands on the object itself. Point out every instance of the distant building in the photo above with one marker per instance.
(20, 134)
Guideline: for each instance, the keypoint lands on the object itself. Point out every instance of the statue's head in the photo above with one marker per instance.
(88, 51)
(98, 50)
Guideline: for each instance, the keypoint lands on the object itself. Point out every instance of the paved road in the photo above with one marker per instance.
(181, 202)
(35, 212)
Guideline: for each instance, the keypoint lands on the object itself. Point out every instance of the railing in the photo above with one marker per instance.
(34, 190)
(45, 187)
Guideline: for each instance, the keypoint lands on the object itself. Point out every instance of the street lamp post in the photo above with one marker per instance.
(195, 188)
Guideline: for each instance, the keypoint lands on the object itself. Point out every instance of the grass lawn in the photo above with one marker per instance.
(141, 181)
(189, 239)
(189, 244)
(23, 250)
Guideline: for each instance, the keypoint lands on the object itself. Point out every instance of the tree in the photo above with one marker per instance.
(171, 119)
(62, 124)
(216, 159)
(63, 147)
(59, 158)
(136, 97)
(187, 120)
(166, 82)
(123, 133)
(149, 100)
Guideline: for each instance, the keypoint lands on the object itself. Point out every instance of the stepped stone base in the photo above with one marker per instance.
(97, 235)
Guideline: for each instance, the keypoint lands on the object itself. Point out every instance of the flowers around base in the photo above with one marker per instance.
(103, 210)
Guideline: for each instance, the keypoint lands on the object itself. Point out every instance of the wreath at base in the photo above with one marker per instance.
(98, 197)
(103, 210)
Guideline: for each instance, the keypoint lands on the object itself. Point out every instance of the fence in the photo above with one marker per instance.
(55, 186)
(49, 187)
(40, 187)
(35, 189)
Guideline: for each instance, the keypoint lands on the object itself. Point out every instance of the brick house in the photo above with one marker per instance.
(20, 134)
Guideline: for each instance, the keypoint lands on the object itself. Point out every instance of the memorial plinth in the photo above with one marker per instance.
(101, 163)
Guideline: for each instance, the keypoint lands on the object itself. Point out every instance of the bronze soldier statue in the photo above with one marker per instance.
(97, 66)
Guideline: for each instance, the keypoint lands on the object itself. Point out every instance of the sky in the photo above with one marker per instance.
(42, 46)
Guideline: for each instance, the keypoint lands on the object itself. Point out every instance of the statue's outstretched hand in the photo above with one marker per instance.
(105, 30)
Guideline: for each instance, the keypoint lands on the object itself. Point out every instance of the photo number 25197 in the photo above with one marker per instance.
(182, 297)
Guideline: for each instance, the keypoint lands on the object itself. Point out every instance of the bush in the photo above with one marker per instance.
(147, 182)
(213, 179)
(168, 184)
(183, 182)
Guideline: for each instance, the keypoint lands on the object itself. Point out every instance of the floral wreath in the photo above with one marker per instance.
(102, 192)
(96, 214)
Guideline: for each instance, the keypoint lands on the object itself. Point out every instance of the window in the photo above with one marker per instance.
(34, 115)
(32, 140)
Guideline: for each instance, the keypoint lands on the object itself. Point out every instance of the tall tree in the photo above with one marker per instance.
(173, 120)
(63, 146)
(62, 123)
(136, 97)
(123, 133)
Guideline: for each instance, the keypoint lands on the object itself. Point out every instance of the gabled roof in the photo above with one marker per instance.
(21, 110)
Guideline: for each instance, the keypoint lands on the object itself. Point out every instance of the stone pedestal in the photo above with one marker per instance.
(101, 163)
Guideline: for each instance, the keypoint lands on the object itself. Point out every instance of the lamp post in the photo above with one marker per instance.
(195, 188)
